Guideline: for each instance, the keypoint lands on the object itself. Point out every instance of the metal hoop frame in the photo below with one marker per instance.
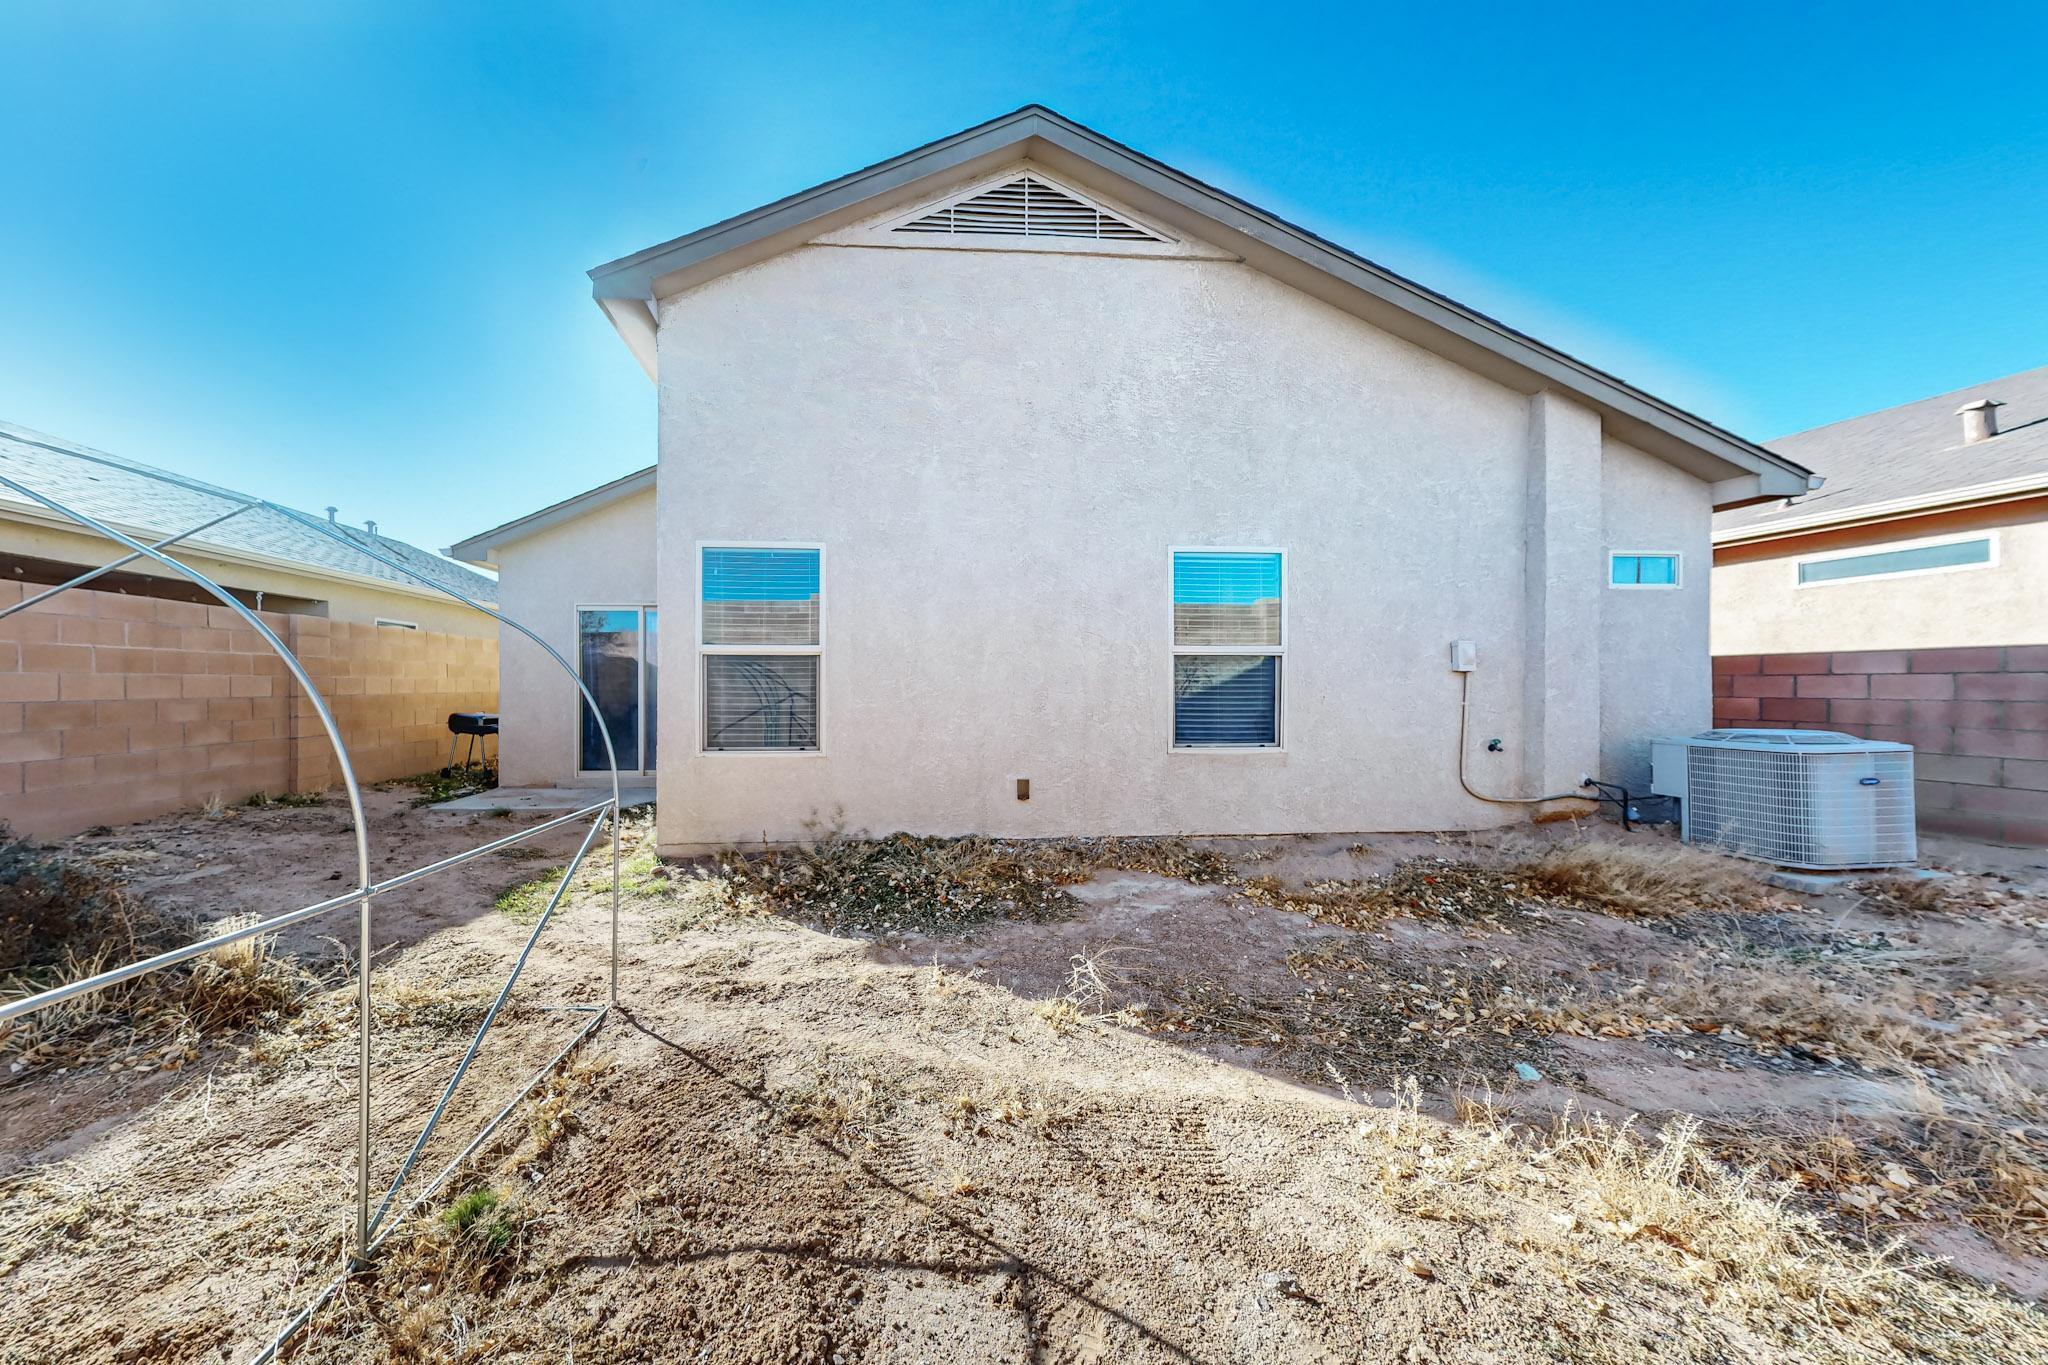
(370, 1229)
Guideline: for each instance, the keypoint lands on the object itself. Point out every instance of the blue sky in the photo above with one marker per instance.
(334, 253)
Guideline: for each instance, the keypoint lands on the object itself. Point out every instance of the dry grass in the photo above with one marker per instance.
(1641, 880)
(1650, 881)
(911, 884)
(1450, 890)
(840, 1100)
(1605, 1204)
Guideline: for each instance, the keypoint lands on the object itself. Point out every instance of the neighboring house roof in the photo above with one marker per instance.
(482, 548)
(626, 288)
(1910, 459)
(150, 503)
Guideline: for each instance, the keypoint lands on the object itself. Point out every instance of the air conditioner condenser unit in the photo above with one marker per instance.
(1811, 799)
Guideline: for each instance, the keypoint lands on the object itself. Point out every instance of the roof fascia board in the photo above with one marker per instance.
(652, 273)
(482, 548)
(1406, 308)
(249, 558)
(634, 319)
(1975, 495)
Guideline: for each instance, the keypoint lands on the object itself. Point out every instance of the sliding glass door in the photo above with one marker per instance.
(615, 651)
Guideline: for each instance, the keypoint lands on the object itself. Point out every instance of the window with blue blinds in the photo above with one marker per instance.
(761, 638)
(1229, 634)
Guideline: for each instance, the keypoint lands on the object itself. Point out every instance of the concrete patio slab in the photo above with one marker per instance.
(544, 799)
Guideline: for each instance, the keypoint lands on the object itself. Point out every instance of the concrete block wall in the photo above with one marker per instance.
(390, 691)
(116, 708)
(1976, 717)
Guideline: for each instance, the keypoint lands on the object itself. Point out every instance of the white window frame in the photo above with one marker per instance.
(1279, 652)
(1677, 569)
(1887, 547)
(705, 651)
(397, 624)
(639, 764)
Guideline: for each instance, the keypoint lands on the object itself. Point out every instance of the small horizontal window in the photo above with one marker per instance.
(1953, 554)
(398, 625)
(1642, 571)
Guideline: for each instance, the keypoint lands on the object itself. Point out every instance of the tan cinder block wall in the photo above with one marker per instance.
(390, 691)
(117, 708)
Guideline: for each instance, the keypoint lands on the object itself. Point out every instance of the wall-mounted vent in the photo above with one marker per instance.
(1028, 207)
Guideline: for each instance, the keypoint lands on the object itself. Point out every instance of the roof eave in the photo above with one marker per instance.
(1397, 303)
(482, 549)
(1947, 499)
(37, 516)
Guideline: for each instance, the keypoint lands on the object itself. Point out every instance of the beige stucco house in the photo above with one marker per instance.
(1930, 532)
(1025, 485)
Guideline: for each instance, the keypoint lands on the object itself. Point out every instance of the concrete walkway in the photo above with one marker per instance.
(545, 799)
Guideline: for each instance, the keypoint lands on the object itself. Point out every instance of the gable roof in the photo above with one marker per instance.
(134, 497)
(482, 548)
(1910, 459)
(626, 288)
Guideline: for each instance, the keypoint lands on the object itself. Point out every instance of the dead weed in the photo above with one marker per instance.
(912, 884)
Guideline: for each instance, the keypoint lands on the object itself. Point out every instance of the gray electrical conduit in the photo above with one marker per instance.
(1465, 752)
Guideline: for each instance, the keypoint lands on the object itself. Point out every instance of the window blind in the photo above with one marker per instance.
(1228, 634)
(760, 597)
(761, 645)
(1225, 599)
(1226, 699)
(760, 701)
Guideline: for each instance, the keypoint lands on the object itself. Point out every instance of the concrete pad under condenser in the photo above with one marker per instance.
(1820, 883)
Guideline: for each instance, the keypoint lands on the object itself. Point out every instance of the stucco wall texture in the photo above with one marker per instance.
(603, 558)
(1759, 608)
(997, 450)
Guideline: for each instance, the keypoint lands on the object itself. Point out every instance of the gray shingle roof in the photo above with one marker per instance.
(1915, 450)
(130, 495)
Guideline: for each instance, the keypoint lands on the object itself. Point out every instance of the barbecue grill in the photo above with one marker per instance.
(476, 727)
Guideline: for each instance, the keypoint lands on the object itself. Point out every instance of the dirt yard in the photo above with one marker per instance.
(1563, 1095)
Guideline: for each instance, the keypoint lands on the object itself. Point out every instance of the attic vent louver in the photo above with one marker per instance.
(1028, 207)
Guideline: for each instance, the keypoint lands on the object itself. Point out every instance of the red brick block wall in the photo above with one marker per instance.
(1977, 720)
(116, 708)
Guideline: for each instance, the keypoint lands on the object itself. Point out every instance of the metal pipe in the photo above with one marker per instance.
(364, 893)
(407, 878)
(333, 533)
(305, 1315)
(1465, 749)
(589, 698)
(490, 1017)
(90, 574)
(355, 801)
(114, 976)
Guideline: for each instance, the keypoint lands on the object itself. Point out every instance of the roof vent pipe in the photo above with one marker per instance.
(1980, 420)
(370, 526)
(330, 514)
